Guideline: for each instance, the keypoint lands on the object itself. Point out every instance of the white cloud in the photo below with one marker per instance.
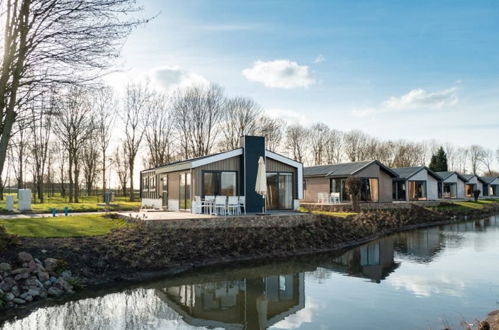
(173, 77)
(419, 98)
(280, 74)
(296, 320)
(319, 59)
(413, 100)
(290, 116)
(440, 284)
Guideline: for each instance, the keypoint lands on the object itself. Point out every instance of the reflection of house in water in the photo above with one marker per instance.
(373, 260)
(251, 303)
(421, 245)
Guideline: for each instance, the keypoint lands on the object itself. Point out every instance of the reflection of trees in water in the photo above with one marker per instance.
(320, 275)
(131, 309)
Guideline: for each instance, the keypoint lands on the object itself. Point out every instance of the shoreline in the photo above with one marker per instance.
(109, 280)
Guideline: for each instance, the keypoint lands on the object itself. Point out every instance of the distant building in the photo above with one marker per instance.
(415, 184)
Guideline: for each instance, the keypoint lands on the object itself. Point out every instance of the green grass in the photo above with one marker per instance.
(86, 204)
(71, 226)
(332, 214)
(465, 205)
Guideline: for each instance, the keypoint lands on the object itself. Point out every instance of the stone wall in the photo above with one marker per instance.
(243, 221)
(364, 206)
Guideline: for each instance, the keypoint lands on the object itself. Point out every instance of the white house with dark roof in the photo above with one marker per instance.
(452, 185)
(490, 186)
(473, 182)
(415, 184)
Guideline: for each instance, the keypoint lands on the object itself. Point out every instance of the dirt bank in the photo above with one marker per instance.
(142, 253)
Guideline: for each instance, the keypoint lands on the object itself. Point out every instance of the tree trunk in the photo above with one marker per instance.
(70, 176)
(103, 171)
(132, 196)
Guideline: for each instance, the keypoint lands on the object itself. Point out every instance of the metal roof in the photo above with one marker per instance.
(488, 179)
(447, 174)
(408, 172)
(343, 169)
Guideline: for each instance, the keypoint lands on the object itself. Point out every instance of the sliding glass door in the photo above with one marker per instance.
(450, 190)
(279, 191)
(369, 190)
(185, 191)
(417, 190)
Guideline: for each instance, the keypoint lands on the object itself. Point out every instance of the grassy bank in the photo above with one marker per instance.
(72, 226)
(86, 204)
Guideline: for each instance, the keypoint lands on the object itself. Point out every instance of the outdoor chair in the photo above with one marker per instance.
(335, 198)
(209, 202)
(242, 203)
(221, 205)
(322, 198)
(233, 205)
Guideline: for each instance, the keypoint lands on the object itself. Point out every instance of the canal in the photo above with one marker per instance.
(422, 279)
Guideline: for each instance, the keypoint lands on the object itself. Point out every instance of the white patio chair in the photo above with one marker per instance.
(322, 198)
(233, 205)
(209, 201)
(221, 205)
(335, 198)
(198, 205)
(242, 203)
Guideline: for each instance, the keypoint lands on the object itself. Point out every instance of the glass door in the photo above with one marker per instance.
(185, 191)
(279, 191)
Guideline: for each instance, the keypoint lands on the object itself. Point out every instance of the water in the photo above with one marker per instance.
(423, 279)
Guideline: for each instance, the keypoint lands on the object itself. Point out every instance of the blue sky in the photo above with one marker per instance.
(416, 70)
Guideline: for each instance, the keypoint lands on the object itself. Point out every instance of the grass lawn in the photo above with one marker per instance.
(71, 226)
(86, 204)
(465, 205)
(333, 214)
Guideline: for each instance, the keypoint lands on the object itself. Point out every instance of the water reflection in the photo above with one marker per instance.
(420, 263)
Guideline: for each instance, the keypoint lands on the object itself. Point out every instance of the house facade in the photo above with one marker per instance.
(415, 184)
(472, 183)
(490, 186)
(233, 173)
(326, 179)
(452, 185)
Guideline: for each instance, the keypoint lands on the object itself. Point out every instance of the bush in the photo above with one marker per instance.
(61, 266)
(354, 185)
(6, 239)
(76, 282)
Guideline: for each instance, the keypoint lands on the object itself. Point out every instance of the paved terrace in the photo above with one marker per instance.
(190, 220)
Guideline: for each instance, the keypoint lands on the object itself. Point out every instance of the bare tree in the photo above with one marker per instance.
(55, 40)
(197, 112)
(40, 131)
(74, 126)
(240, 117)
(159, 133)
(105, 105)
(273, 131)
(60, 153)
(333, 147)
(354, 144)
(134, 113)
(488, 161)
(17, 154)
(121, 167)
(90, 160)
(319, 136)
(297, 138)
(477, 155)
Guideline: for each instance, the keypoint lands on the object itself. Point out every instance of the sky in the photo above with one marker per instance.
(414, 70)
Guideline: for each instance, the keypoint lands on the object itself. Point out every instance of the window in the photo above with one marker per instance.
(185, 191)
(369, 190)
(152, 181)
(450, 190)
(469, 189)
(279, 191)
(417, 190)
(223, 183)
(145, 183)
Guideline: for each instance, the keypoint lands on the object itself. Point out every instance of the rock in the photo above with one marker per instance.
(47, 283)
(24, 257)
(26, 296)
(44, 251)
(43, 276)
(32, 266)
(50, 264)
(19, 301)
(5, 267)
(52, 279)
(66, 274)
(7, 284)
(35, 292)
(54, 291)
(20, 273)
(9, 296)
(15, 291)
(63, 284)
(38, 261)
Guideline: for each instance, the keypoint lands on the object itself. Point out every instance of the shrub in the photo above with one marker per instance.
(476, 194)
(61, 266)
(76, 282)
(6, 239)
(354, 185)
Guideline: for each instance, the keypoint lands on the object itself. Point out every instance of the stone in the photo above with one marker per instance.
(9, 296)
(21, 276)
(43, 276)
(24, 257)
(26, 296)
(19, 301)
(38, 262)
(20, 271)
(5, 267)
(55, 292)
(50, 264)
(32, 266)
(66, 274)
(63, 284)
(15, 291)
(35, 292)
(7, 284)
